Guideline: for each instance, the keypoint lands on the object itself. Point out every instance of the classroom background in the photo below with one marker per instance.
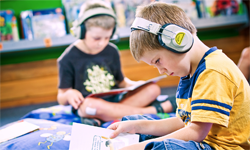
(34, 33)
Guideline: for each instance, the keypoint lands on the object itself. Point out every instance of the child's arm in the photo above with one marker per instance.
(196, 131)
(127, 83)
(151, 127)
(171, 128)
(70, 96)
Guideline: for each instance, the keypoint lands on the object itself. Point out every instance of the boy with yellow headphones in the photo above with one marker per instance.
(213, 96)
(92, 65)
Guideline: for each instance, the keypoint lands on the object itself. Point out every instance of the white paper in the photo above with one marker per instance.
(85, 137)
(16, 130)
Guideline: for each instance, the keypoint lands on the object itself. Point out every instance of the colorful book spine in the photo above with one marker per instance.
(26, 17)
(188, 6)
(8, 26)
(223, 7)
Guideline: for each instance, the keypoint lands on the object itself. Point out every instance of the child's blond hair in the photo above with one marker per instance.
(161, 13)
(103, 21)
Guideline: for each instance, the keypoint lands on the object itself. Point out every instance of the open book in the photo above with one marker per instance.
(97, 138)
(131, 88)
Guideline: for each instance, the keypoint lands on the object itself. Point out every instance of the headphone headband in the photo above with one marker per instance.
(170, 36)
(143, 24)
(94, 12)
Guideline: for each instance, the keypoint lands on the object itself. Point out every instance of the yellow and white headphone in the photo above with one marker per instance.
(170, 36)
(79, 30)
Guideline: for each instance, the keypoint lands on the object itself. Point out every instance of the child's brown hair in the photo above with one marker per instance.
(161, 13)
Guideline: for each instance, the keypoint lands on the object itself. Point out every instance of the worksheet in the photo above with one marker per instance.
(85, 137)
(16, 129)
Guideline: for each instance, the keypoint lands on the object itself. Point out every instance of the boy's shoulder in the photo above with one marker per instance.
(69, 52)
(111, 48)
(66, 52)
(113, 45)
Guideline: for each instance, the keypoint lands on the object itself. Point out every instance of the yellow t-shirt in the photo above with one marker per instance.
(217, 93)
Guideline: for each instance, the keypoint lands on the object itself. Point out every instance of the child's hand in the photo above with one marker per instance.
(123, 127)
(75, 98)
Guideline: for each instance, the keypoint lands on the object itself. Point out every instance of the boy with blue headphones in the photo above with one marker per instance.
(213, 96)
(92, 65)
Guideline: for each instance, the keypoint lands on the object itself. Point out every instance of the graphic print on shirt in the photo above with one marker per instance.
(98, 80)
(184, 110)
(184, 115)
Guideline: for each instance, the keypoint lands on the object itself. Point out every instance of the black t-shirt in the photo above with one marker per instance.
(90, 73)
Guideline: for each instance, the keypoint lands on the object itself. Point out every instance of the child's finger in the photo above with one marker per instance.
(75, 105)
(114, 134)
(112, 127)
(78, 101)
(116, 130)
(80, 96)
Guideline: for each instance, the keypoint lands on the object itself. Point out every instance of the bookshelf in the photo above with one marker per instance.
(238, 21)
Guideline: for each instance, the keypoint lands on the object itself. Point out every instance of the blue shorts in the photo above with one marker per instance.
(167, 144)
(175, 144)
(114, 98)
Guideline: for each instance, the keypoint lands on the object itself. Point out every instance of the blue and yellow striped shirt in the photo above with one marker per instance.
(217, 93)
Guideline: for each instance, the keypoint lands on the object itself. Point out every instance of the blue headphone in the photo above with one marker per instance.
(170, 36)
(79, 30)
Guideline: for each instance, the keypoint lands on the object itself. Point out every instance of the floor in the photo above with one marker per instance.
(14, 114)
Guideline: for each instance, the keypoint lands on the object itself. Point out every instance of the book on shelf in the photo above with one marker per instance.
(188, 6)
(16, 129)
(223, 7)
(201, 10)
(131, 88)
(26, 24)
(45, 23)
(125, 10)
(97, 138)
(72, 10)
(8, 26)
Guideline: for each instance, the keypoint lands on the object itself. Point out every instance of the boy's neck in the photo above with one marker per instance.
(197, 52)
(82, 47)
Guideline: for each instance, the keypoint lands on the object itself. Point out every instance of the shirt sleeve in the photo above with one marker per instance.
(212, 98)
(66, 75)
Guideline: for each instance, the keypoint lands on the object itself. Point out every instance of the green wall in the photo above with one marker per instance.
(20, 5)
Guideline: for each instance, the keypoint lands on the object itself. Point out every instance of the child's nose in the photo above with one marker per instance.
(161, 70)
(102, 42)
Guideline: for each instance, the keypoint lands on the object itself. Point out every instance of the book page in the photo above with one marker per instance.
(16, 130)
(131, 88)
(97, 138)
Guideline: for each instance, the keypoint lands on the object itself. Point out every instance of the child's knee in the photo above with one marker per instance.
(90, 107)
(154, 89)
(246, 53)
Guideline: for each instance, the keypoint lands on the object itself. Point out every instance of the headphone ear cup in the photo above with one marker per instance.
(175, 38)
(113, 32)
(82, 31)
